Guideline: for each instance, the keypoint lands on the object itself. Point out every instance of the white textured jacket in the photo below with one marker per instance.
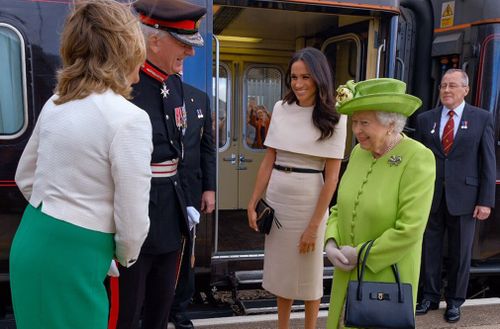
(88, 163)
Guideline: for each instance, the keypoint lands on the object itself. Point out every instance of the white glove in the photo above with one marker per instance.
(338, 259)
(113, 269)
(193, 216)
(350, 253)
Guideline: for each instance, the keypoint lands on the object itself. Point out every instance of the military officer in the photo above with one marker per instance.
(170, 29)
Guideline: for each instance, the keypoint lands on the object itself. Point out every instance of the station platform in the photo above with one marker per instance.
(476, 314)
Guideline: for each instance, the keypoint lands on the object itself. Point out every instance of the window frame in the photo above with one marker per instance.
(24, 127)
(229, 88)
(245, 97)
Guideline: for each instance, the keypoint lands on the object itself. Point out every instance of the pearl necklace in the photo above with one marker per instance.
(391, 145)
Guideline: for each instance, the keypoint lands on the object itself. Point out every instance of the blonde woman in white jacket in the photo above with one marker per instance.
(86, 174)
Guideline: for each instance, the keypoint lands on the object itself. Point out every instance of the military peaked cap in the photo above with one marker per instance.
(178, 17)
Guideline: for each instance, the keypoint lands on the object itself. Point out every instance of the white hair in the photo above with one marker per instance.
(465, 77)
(388, 118)
(149, 31)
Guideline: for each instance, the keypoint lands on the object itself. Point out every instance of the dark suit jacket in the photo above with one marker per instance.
(467, 175)
(198, 165)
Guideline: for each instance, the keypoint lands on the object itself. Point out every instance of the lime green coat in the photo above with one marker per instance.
(387, 200)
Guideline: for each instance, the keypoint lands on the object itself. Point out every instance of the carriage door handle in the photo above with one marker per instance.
(243, 159)
(231, 159)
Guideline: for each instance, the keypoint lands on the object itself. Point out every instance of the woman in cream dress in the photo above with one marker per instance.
(306, 137)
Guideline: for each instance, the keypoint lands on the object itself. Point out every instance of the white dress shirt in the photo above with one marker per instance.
(88, 163)
(456, 118)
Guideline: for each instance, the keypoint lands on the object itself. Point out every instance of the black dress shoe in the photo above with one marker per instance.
(426, 305)
(452, 313)
(184, 325)
(181, 321)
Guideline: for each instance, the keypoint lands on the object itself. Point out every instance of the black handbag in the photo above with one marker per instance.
(265, 217)
(377, 305)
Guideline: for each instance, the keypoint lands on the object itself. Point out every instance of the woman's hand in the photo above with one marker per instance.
(350, 253)
(252, 218)
(337, 258)
(308, 240)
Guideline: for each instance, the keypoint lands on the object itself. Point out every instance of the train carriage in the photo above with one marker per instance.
(242, 65)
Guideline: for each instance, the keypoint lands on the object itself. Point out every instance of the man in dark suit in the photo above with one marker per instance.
(170, 30)
(462, 139)
(198, 178)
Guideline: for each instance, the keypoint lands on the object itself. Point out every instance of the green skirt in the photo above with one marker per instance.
(57, 273)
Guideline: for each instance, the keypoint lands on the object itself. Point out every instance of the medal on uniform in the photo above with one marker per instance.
(199, 112)
(178, 117)
(184, 119)
(164, 91)
(181, 118)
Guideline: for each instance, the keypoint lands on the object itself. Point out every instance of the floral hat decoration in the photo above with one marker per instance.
(382, 94)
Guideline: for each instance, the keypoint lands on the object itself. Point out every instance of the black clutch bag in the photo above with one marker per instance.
(376, 305)
(265, 217)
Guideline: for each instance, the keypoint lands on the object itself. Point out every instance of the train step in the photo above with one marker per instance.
(246, 280)
(254, 278)
(268, 305)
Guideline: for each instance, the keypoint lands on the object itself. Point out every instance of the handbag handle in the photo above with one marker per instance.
(368, 245)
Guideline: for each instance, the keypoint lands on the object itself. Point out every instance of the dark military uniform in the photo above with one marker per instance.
(150, 284)
(198, 175)
(151, 281)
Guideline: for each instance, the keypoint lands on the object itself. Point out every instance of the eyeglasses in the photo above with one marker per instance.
(450, 86)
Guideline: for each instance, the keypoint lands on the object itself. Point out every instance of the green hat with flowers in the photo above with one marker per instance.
(382, 94)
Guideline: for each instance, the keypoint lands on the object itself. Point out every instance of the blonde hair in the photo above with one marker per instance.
(101, 45)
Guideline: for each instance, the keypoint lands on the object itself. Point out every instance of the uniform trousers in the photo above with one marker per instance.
(185, 286)
(460, 231)
(148, 285)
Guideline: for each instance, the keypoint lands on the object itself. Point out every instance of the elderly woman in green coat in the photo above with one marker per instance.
(385, 193)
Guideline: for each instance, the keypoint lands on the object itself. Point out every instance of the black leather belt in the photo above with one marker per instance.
(300, 170)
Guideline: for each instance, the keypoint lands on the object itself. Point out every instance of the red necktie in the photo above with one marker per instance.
(447, 139)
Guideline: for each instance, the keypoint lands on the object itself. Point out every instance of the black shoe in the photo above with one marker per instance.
(426, 305)
(452, 313)
(181, 321)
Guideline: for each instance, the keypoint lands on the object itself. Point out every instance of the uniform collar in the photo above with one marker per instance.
(154, 72)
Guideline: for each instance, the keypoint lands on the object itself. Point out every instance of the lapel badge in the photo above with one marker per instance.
(433, 130)
(164, 91)
(464, 124)
(199, 112)
(394, 160)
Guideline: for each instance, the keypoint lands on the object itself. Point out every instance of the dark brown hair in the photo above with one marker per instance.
(101, 45)
(324, 115)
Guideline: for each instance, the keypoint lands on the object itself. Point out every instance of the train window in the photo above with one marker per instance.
(13, 110)
(224, 101)
(344, 55)
(263, 87)
(488, 83)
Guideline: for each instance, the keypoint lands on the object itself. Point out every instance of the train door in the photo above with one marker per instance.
(251, 52)
(255, 89)
(249, 86)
